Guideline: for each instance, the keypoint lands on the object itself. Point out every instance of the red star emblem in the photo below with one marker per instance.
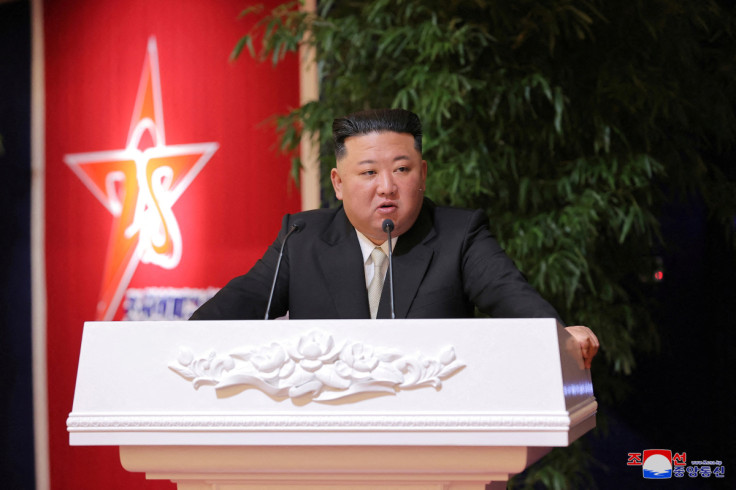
(139, 185)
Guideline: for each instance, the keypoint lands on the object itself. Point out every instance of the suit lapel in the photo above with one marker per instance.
(341, 263)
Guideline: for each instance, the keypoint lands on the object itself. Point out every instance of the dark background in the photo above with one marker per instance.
(16, 399)
(681, 398)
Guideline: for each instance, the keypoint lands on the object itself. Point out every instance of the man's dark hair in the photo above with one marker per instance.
(375, 121)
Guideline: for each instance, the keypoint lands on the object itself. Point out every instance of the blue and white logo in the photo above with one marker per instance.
(657, 464)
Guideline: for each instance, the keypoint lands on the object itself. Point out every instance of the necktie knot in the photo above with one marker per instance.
(378, 257)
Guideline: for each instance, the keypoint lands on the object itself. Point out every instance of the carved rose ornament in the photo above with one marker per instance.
(317, 367)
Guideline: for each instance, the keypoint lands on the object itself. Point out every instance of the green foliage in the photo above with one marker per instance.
(569, 121)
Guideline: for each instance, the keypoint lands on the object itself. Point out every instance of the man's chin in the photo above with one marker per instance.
(377, 235)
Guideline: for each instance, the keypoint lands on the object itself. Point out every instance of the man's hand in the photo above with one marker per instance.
(587, 341)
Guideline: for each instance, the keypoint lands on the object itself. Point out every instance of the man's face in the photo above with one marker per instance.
(381, 176)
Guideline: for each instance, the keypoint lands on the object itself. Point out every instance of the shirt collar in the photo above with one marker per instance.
(367, 246)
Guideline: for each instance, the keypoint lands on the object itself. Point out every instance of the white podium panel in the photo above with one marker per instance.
(338, 403)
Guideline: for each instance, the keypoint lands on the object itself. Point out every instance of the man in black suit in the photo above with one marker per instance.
(445, 261)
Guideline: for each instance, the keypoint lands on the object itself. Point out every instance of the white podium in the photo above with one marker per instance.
(349, 404)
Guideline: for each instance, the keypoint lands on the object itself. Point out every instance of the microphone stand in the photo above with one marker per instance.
(296, 226)
(388, 227)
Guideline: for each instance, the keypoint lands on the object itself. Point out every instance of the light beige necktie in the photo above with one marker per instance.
(376, 285)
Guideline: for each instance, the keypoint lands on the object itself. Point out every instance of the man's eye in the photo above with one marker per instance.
(402, 169)
(368, 172)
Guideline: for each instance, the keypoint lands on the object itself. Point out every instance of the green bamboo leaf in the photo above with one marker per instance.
(239, 47)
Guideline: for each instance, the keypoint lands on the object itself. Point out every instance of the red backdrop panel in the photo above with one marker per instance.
(138, 96)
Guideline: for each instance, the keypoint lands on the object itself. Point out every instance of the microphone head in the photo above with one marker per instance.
(388, 226)
(298, 224)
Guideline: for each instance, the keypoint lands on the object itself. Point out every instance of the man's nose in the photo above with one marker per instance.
(386, 184)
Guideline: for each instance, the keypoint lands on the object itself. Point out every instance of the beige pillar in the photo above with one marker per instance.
(309, 148)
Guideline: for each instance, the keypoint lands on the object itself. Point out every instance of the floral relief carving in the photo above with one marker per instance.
(316, 367)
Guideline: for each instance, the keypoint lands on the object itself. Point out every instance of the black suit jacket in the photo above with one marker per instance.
(444, 266)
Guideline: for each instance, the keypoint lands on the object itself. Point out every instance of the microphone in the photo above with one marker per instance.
(296, 226)
(388, 227)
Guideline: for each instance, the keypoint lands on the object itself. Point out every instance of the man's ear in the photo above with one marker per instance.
(336, 183)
